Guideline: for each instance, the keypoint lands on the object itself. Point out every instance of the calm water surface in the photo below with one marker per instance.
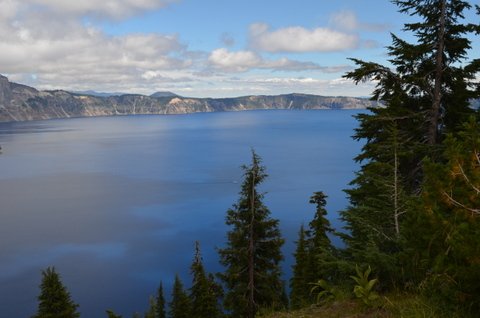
(116, 203)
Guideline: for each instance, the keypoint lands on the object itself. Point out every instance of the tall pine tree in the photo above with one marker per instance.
(160, 303)
(315, 256)
(152, 308)
(320, 249)
(445, 252)
(299, 283)
(379, 202)
(252, 256)
(204, 293)
(426, 94)
(180, 306)
(54, 299)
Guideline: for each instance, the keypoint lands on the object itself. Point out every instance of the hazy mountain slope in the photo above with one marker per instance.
(19, 102)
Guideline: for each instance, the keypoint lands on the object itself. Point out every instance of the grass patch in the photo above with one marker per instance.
(394, 305)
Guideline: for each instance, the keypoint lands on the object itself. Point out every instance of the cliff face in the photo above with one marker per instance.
(5, 92)
(19, 102)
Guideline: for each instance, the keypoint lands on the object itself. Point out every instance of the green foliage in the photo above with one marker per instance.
(319, 246)
(325, 291)
(299, 296)
(363, 290)
(204, 293)
(315, 257)
(446, 252)
(111, 314)
(160, 303)
(252, 255)
(180, 306)
(380, 200)
(152, 309)
(319, 227)
(426, 94)
(54, 299)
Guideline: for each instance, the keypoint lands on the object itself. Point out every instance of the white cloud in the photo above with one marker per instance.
(48, 44)
(242, 61)
(347, 20)
(61, 51)
(9, 9)
(116, 9)
(236, 86)
(285, 64)
(234, 61)
(299, 39)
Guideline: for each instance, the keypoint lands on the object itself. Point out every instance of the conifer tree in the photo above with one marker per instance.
(431, 78)
(252, 256)
(111, 314)
(446, 250)
(152, 308)
(204, 293)
(54, 299)
(160, 303)
(426, 94)
(319, 246)
(379, 202)
(299, 283)
(180, 306)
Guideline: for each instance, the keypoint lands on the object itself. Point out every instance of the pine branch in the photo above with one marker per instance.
(458, 204)
(477, 190)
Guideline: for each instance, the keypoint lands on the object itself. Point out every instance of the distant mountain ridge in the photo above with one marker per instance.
(20, 102)
(164, 94)
(95, 93)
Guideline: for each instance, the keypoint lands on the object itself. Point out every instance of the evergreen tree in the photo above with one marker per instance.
(252, 255)
(426, 95)
(432, 77)
(379, 202)
(204, 293)
(54, 299)
(319, 227)
(180, 304)
(299, 283)
(319, 246)
(111, 314)
(446, 250)
(152, 308)
(315, 256)
(160, 303)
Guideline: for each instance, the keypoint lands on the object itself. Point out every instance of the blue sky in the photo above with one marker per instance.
(201, 48)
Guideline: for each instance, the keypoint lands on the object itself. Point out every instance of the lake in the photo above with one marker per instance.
(116, 203)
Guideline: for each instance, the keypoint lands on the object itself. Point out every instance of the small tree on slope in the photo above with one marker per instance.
(54, 299)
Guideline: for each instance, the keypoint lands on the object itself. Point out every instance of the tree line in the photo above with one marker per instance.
(414, 215)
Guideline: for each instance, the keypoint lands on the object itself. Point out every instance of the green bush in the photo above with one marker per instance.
(364, 288)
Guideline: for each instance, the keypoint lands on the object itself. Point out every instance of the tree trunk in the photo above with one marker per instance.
(251, 252)
(397, 226)
(437, 92)
(396, 183)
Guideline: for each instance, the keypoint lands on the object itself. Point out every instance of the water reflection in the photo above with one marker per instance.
(116, 203)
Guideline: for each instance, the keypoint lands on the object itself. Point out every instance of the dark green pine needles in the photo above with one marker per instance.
(54, 299)
(180, 306)
(252, 256)
(204, 293)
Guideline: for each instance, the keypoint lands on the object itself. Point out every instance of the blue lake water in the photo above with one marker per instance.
(116, 203)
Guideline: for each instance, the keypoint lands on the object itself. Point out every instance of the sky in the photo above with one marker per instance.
(197, 48)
